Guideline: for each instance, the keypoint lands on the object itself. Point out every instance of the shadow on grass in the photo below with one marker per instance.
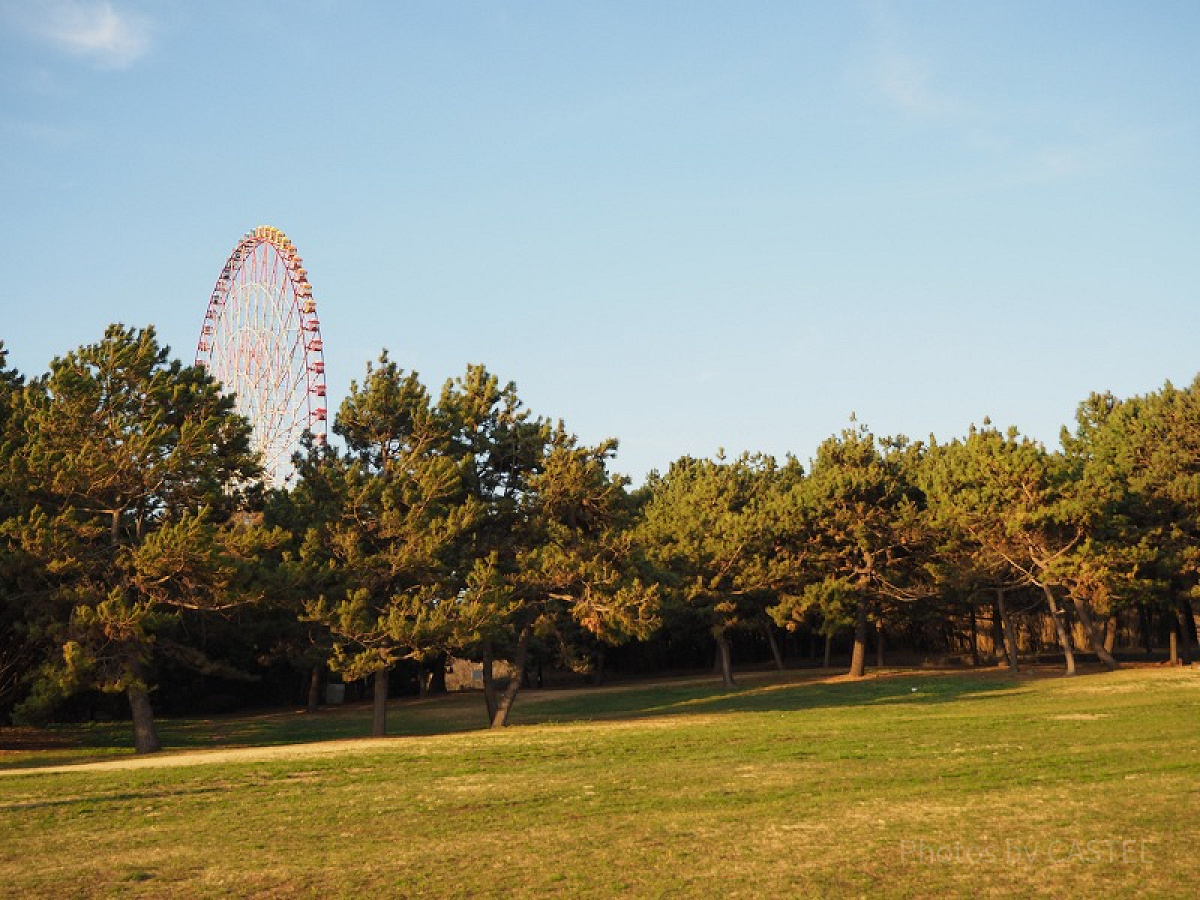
(96, 741)
(776, 693)
(90, 801)
(459, 713)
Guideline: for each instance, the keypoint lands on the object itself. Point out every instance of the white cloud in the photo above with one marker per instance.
(903, 78)
(94, 30)
(1090, 151)
(905, 82)
(1064, 162)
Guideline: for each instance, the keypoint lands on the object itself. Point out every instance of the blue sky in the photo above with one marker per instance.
(686, 225)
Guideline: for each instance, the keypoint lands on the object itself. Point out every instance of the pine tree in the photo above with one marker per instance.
(548, 556)
(379, 550)
(17, 644)
(709, 529)
(1017, 504)
(139, 471)
(861, 536)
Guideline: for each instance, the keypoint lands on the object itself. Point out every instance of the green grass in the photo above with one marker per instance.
(911, 785)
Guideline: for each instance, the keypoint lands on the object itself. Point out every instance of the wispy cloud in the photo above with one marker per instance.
(899, 74)
(905, 81)
(105, 35)
(1089, 151)
(1005, 138)
(1064, 162)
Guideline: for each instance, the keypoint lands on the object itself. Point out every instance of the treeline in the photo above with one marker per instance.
(142, 557)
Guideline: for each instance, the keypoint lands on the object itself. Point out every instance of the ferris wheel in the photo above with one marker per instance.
(261, 339)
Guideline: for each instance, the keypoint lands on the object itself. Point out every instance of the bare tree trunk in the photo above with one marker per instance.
(773, 643)
(725, 658)
(1185, 645)
(379, 712)
(974, 635)
(858, 657)
(314, 690)
(1084, 610)
(437, 674)
(1060, 628)
(422, 680)
(1009, 633)
(1147, 626)
(1189, 619)
(828, 649)
(1110, 632)
(145, 734)
(500, 719)
(489, 681)
(997, 633)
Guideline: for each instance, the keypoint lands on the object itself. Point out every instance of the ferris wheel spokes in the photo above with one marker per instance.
(262, 339)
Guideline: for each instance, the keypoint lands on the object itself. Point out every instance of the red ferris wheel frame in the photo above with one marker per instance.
(262, 340)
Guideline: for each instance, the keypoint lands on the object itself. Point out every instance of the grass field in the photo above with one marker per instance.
(911, 784)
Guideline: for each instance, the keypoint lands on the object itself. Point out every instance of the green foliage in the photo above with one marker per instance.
(548, 557)
(464, 526)
(708, 527)
(715, 531)
(462, 523)
(1138, 461)
(861, 532)
(136, 468)
(18, 646)
(379, 546)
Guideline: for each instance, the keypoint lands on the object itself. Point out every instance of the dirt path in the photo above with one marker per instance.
(170, 759)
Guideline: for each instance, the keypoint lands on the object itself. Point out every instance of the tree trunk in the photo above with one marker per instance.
(1110, 632)
(974, 635)
(858, 658)
(998, 650)
(145, 734)
(1084, 610)
(725, 659)
(1060, 628)
(500, 719)
(1189, 618)
(314, 690)
(1009, 633)
(1147, 626)
(773, 643)
(489, 680)
(828, 649)
(437, 674)
(1185, 645)
(422, 681)
(379, 713)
